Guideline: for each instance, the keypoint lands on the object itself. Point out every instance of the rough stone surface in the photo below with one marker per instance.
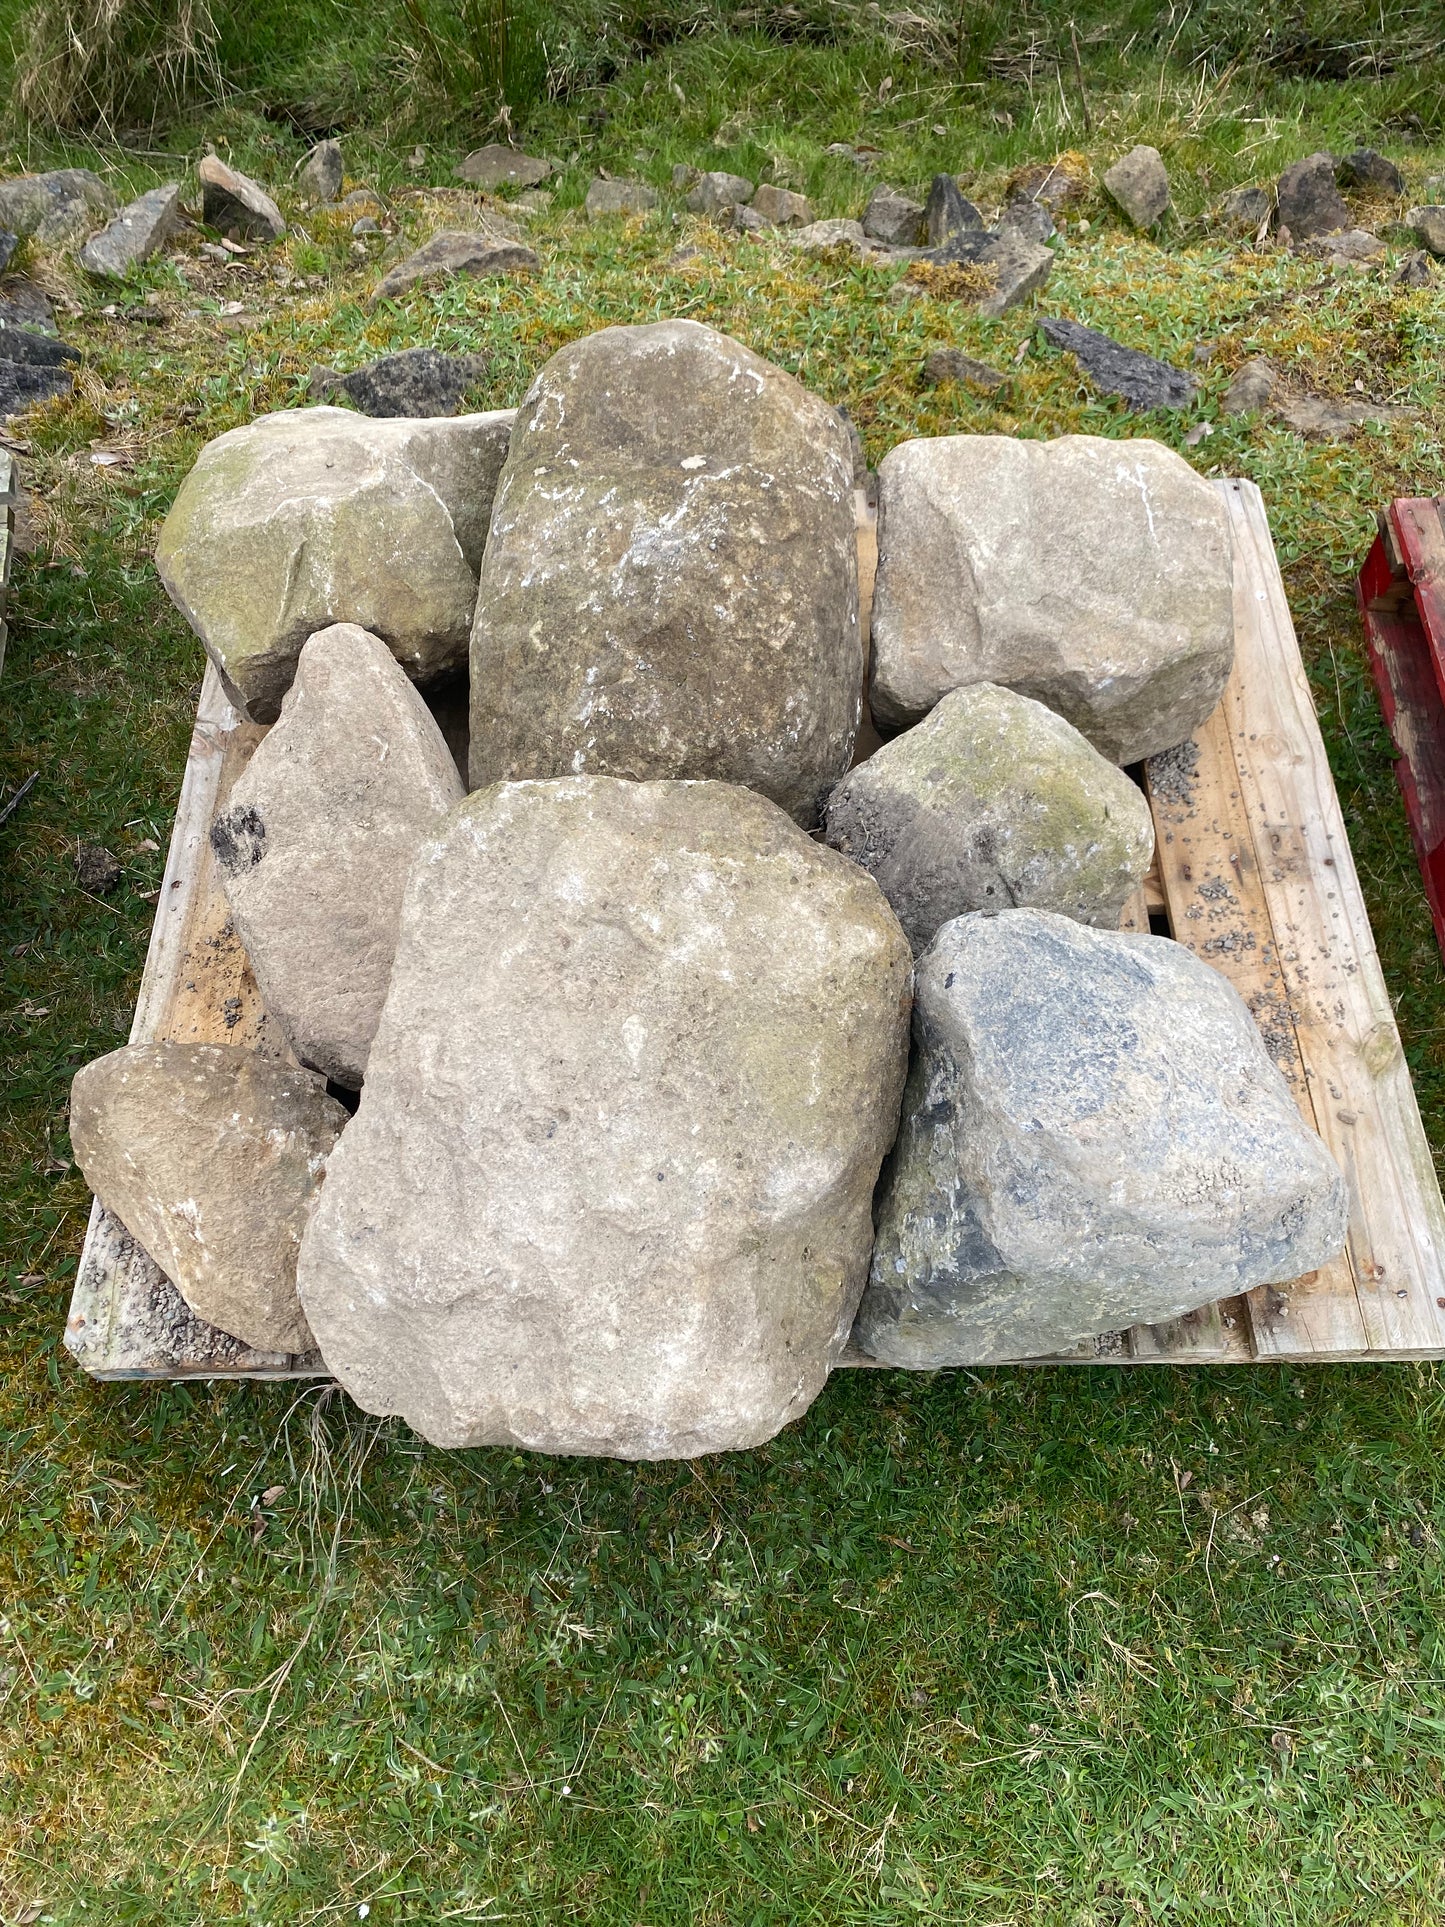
(33, 367)
(993, 802)
(716, 191)
(496, 166)
(322, 175)
(1309, 201)
(1371, 172)
(1060, 184)
(1251, 387)
(818, 237)
(8, 244)
(1429, 226)
(893, 218)
(670, 584)
(1353, 245)
(1138, 183)
(136, 233)
(746, 220)
(948, 211)
(211, 1159)
(606, 198)
(1092, 575)
(490, 248)
(608, 1190)
(23, 305)
(952, 364)
(1414, 271)
(1017, 268)
(1030, 219)
(317, 515)
(417, 382)
(1331, 420)
(1246, 209)
(1142, 380)
(55, 208)
(781, 207)
(1093, 1136)
(317, 838)
(233, 203)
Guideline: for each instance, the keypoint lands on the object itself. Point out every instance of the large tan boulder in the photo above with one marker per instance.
(211, 1158)
(670, 585)
(317, 515)
(318, 835)
(608, 1190)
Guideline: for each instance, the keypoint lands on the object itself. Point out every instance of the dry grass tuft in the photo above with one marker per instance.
(94, 66)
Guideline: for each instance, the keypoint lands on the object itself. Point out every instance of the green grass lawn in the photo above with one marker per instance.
(1076, 1646)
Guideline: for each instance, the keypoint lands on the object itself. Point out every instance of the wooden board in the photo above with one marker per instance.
(1254, 873)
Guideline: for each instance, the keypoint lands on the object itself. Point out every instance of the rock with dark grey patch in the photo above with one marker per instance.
(608, 198)
(1367, 170)
(1251, 387)
(1017, 267)
(1309, 201)
(1428, 224)
(8, 244)
(318, 836)
(745, 220)
(1029, 219)
(1414, 271)
(952, 364)
(33, 367)
(948, 211)
(1143, 381)
(233, 203)
(608, 1189)
(417, 382)
(992, 802)
(24, 306)
(1092, 575)
(716, 191)
(318, 515)
(55, 208)
(211, 1158)
(893, 218)
(683, 601)
(781, 207)
(1350, 247)
(1093, 1136)
(497, 166)
(136, 233)
(492, 247)
(1138, 183)
(1244, 210)
(323, 174)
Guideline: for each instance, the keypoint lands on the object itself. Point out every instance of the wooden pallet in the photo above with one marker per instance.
(1254, 874)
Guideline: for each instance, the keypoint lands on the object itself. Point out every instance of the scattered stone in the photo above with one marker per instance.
(861, 155)
(23, 305)
(746, 220)
(892, 218)
(416, 382)
(1092, 575)
(8, 244)
(97, 870)
(495, 166)
(605, 198)
(1331, 420)
(211, 1158)
(683, 176)
(233, 204)
(951, 364)
(1414, 271)
(1309, 201)
(1251, 387)
(633, 1224)
(1353, 246)
(484, 250)
(687, 605)
(1017, 268)
(1141, 380)
(1246, 209)
(136, 233)
(33, 367)
(1139, 184)
(536, 200)
(33, 349)
(1093, 1136)
(993, 802)
(717, 191)
(1429, 226)
(821, 237)
(366, 225)
(1059, 184)
(1029, 219)
(317, 839)
(321, 179)
(361, 199)
(279, 529)
(1367, 170)
(948, 211)
(781, 207)
(55, 208)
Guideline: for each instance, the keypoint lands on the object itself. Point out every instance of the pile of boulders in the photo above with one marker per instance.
(600, 1008)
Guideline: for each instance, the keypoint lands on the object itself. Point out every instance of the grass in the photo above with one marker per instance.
(1082, 1648)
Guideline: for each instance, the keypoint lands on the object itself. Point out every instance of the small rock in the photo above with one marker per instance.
(366, 225)
(8, 244)
(1414, 271)
(1093, 1136)
(496, 166)
(1321, 416)
(23, 305)
(1309, 201)
(717, 191)
(1030, 220)
(33, 349)
(1246, 209)
(1058, 184)
(136, 233)
(948, 211)
(1354, 245)
(363, 200)
(418, 382)
(780, 207)
(323, 174)
(1367, 170)
(1251, 388)
(97, 870)
(475, 252)
(1017, 268)
(318, 836)
(860, 156)
(892, 218)
(536, 200)
(33, 367)
(55, 208)
(951, 364)
(992, 802)
(211, 1158)
(232, 203)
(605, 198)
(1139, 184)
(820, 237)
(1429, 226)
(683, 176)
(608, 1189)
(746, 220)
(1142, 380)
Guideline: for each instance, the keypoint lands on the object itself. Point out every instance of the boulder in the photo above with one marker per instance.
(952, 364)
(607, 198)
(491, 248)
(892, 218)
(318, 835)
(948, 211)
(1245, 210)
(1370, 172)
(670, 583)
(1143, 381)
(1251, 387)
(55, 208)
(1429, 227)
(323, 173)
(1092, 575)
(211, 1158)
(495, 166)
(993, 802)
(233, 203)
(714, 192)
(1093, 1136)
(1309, 201)
(608, 1190)
(316, 515)
(1138, 183)
(136, 233)
(417, 382)
(781, 207)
